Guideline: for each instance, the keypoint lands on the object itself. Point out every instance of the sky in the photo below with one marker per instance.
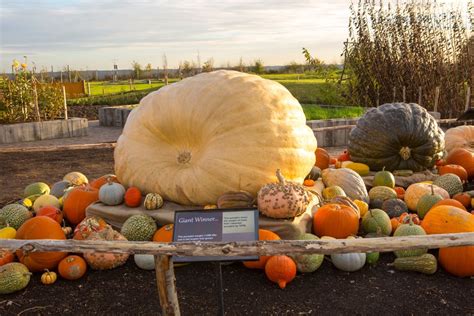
(93, 34)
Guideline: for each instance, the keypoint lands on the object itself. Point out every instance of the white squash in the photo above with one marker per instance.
(349, 262)
(216, 132)
(145, 262)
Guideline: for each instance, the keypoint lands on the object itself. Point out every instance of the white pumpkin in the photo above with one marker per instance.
(111, 193)
(145, 262)
(196, 139)
(349, 262)
(459, 137)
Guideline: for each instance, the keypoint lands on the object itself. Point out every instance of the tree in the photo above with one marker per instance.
(312, 62)
(137, 69)
(148, 69)
(258, 67)
(241, 65)
(208, 65)
(294, 67)
(188, 68)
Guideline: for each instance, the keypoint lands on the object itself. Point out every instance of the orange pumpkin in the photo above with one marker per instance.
(263, 234)
(76, 202)
(281, 270)
(133, 197)
(322, 158)
(464, 199)
(395, 223)
(97, 183)
(164, 234)
(6, 256)
(51, 211)
(308, 182)
(451, 202)
(400, 192)
(72, 267)
(462, 157)
(104, 260)
(345, 156)
(336, 220)
(405, 218)
(458, 261)
(455, 169)
(40, 227)
(447, 219)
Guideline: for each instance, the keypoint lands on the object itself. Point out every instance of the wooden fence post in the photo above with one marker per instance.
(394, 93)
(65, 103)
(404, 94)
(166, 285)
(89, 89)
(130, 84)
(419, 95)
(435, 109)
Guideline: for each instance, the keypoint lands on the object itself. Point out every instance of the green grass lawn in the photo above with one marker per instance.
(315, 112)
(105, 87)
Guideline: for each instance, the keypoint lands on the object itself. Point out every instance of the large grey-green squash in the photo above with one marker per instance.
(397, 136)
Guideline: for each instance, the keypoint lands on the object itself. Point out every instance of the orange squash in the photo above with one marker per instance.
(322, 158)
(97, 183)
(395, 223)
(6, 256)
(451, 202)
(51, 211)
(103, 260)
(76, 202)
(40, 227)
(263, 234)
(281, 270)
(87, 226)
(462, 157)
(458, 261)
(336, 220)
(133, 197)
(308, 182)
(447, 219)
(72, 267)
(164, 234)
(463, 198)
(455, 169)
(400, 192)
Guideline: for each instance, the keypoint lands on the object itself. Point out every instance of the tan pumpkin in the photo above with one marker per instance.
(459, 137)
(200, 137)
(349, 180)
(322, 159)
(102, 260)
(415, 191)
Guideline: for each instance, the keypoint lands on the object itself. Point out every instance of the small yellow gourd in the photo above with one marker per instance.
(153, 201)
(363, 207)
(49, 277)
(8, 233)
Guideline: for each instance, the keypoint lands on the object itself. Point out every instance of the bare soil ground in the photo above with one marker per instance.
(129, 290)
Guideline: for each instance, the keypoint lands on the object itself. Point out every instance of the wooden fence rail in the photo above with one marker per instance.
(248, 248)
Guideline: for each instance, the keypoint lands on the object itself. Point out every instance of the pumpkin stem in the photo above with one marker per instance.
(282, 284)
(405, 153)
(432, 190)
(280, 177)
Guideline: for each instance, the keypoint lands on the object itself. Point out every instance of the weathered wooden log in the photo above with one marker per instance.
(249, 248)
(58, 147)
(166, 283)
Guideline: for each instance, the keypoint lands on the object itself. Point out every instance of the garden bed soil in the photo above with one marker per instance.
(129, 290)
(91, 112)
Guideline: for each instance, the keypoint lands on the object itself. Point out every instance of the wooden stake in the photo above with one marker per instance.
(468, 98)
(65, 102)
(378, 98)
(35, 94)
(394, 93)
(404, 94)
(130, 84)
(436, 100)
(419, 95)
(89, 89)
(166, 285)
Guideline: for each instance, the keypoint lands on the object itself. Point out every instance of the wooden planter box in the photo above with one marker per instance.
(31, 131)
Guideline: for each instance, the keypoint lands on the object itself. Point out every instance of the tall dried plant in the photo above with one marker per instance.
(408, 48)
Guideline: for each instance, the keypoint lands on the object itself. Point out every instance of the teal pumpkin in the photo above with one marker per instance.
(111, 193)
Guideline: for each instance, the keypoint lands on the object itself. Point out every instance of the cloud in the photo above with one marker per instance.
(90, 33)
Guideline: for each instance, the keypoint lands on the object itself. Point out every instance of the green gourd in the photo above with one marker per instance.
(14, 215)
(450, 182)
(409, 229)
(307, 263)
(394, 207)
(376, 220)
(426, 264)
(382, 193)
(384, 178)
(314, 174)
(14, 277)
(426, 202)
(139, 228)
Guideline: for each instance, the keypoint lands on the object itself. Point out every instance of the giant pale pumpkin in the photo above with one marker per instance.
(460, 137)
(397, 136)
(213, 133)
